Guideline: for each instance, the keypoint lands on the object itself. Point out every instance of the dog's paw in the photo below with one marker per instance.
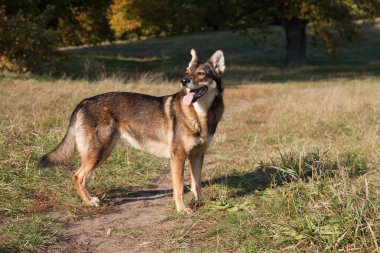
(94, 201)
(187, 211)
(196, 204)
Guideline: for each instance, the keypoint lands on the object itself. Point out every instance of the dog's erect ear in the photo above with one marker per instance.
(217, 60)
(194, 59)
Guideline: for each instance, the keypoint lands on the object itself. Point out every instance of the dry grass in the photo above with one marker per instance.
(258, 195)
(294, 165)
(33, 120)
(339, 115)
(293, 168)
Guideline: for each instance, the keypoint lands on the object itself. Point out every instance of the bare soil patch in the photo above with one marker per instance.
(132, 226)
(134, 223)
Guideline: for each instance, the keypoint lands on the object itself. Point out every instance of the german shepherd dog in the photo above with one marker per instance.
(178, 126)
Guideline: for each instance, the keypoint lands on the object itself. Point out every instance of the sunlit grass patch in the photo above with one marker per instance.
(293, 166)
(126, 169)
(293, 170)
(33, 120)
(328, 214)
(283, 207)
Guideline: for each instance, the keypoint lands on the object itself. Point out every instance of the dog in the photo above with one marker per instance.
(178, 126)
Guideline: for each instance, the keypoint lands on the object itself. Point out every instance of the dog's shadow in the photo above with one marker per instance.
(246, 183)
(258, 179)
(121, 196)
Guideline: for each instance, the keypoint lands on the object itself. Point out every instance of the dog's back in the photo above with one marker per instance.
(177, 126)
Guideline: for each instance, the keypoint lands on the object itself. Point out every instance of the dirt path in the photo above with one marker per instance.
(132, 226)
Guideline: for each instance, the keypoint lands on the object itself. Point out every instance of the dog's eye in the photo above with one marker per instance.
(201, 74)
(187, 72)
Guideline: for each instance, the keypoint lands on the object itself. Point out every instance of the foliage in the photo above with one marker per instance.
(31, 31)
(38, 28)
(123, 19)
(81, 22)
(276, 118)
(25, 42)
(163, 17)
(330, 21)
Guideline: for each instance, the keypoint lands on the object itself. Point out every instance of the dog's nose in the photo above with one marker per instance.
(185, 81)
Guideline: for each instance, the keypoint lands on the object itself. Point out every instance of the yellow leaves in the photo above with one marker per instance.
(123, 19)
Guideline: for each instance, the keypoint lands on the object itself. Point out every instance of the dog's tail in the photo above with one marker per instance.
(64, 151)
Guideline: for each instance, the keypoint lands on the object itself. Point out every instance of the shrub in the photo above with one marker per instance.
(26, 44)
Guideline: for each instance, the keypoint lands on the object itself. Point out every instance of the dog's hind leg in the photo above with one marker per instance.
(87, 165)
(94, 147)
(89, 161)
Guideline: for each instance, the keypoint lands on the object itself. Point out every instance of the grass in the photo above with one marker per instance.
(301, 175)
(26, 190)
(24, 141)
(248, 61)
(27, 234)
(294, 166)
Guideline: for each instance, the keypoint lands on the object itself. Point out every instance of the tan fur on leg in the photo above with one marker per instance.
(196, 162)
(79, 179)
(177, 170)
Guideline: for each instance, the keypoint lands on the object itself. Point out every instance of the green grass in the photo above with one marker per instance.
(265, 210)
(33, 120)
(294, 166)
(305, 178)
(24, 141)
(27, 234)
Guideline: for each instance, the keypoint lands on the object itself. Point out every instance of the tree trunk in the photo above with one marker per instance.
(295, 30)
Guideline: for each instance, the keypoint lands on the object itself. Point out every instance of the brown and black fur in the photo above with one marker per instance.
(164, 126)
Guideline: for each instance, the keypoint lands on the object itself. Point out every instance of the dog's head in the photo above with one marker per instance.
(202, 79)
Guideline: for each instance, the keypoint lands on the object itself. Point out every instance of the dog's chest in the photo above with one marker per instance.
(203, 122)
(197, 134)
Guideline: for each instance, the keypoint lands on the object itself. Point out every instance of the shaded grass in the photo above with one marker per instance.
(288, 167)
(294, 165)
(248, 61)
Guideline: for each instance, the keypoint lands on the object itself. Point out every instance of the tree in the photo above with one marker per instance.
(330, 21)
(26, 41)
(31, 31)
(81, 22)
(124, 19)
(167, 17)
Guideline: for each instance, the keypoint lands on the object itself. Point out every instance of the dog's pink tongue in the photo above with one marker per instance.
(188, 98)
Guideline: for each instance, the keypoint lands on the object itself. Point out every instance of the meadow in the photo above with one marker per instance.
(294, 165)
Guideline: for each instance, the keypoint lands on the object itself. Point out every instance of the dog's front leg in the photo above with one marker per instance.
(177, 163)
(196, 162)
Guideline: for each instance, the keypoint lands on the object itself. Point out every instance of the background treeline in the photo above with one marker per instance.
(32, 30)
